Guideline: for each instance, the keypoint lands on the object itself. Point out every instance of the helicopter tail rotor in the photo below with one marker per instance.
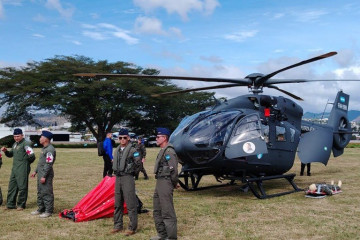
(339, 121)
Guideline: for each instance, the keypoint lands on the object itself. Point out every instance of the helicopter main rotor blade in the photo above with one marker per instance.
(196, 89)
(280, 81)
(203, 79)
(286, 92)
(268, 76)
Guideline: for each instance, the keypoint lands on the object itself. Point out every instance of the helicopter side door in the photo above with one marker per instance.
(247, 138)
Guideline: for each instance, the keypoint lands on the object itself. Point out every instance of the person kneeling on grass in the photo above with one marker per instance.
(45, 172)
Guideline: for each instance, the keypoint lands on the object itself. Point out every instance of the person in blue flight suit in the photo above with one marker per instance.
(108, 156)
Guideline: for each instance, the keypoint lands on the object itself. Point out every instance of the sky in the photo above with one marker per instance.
(202, 38)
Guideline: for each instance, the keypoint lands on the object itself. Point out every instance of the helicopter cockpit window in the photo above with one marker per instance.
(280, 134)
(213, 130)
(249, 128)
(185, 122)
(292, 134)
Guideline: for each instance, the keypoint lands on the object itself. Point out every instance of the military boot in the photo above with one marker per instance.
(156, 238)
(37, 212)
(45, 215)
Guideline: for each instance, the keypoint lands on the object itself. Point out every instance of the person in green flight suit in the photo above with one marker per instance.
(45, 172)
(1, 197)
(140, 147)
(166, 174)
(124, 164)
(23, 155)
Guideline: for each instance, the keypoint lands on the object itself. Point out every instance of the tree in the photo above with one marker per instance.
(97, 103)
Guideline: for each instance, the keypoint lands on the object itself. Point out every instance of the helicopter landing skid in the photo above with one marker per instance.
(260, 193)
(195, 180)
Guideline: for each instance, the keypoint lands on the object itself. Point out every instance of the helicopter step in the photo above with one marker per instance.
(260, 193)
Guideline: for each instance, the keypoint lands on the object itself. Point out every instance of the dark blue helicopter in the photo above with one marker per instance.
(253, 138)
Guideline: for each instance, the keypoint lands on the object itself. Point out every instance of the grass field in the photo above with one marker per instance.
(217, 213)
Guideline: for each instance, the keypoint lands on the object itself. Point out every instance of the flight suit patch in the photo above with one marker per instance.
(136, 154)
(167, 157)
(49, 158)
(29, 150)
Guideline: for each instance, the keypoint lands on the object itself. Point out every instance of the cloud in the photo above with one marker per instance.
(149, 25)
(103, 31)
(64, 12)
(2, 14)
(10, 64)
(153, 26)
(310, 15)
(76, 42)
(241, 36)
(37, 35)
(181, 8)
(171, 55)
(94, 35)
(278, 15)
(345, 57)
(39, 18)
(7, 2)
(212, 59)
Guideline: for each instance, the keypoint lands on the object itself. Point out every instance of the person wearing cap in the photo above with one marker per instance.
(45, 176)
(166, 174)
(140, 147)
(23, 155)
(108, 157)
(125, 159)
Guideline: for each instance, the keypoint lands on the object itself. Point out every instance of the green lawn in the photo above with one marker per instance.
(218, 213)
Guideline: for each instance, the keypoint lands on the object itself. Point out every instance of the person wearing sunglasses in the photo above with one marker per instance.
(125, 159)
(166, 174)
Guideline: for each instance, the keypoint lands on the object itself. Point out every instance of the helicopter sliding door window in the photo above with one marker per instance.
(280, 134)
(247, 139)
(249, 128)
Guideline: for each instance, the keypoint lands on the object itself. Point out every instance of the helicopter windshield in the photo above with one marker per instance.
(213, 130)
(185, 122)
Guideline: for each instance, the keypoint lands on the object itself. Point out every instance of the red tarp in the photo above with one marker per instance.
(98, 203)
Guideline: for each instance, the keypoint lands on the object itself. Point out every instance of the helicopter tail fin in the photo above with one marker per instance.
(340, 123)
(315, 144)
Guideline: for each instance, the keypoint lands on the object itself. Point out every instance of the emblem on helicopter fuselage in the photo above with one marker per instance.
(249, 147)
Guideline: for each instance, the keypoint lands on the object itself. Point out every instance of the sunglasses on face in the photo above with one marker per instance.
(122, 138)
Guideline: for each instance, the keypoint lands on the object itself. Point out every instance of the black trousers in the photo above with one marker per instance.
(303, 168)
(107, 166)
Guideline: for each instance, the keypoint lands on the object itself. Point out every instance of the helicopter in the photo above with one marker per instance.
(253, 138)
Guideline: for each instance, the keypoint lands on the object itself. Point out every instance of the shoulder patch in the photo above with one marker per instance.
(167, 157)
(49, 157)
(136, 154)
(29, 150)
